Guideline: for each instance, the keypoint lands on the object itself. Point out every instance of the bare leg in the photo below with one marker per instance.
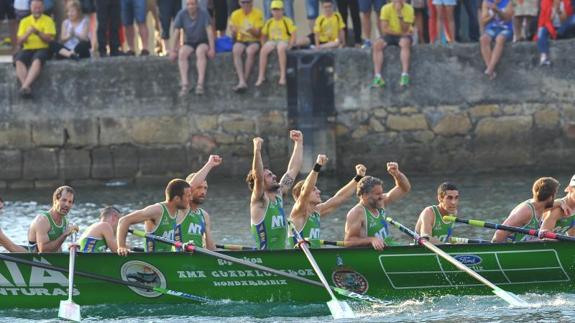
(450, 33)
(143, 30)
(237, 53)
(377, 53)
(130, 37)
(485, 42)
(21, 72)
(251, 51)
(366, 24)
(184, 66)
(405, 45)
(440, 16)
(201, 64)
(496, 55)
(266, 50)
(282, 58)
(419, 26)
(33, 73)
(93, 33)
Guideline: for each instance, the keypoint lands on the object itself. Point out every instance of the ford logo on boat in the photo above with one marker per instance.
(468, 259)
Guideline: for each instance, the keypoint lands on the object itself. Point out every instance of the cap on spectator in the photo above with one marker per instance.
(277, 4)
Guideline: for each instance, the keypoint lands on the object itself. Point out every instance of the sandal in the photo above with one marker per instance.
(199, 89)
(184, 91)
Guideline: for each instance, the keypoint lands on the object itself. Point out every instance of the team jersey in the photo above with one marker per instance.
(532, 224)
(310, 231)
(566, 222)
(55, 230)
(279, 30)
(441, 230)
(377, 226)
(271, 232)
(328, 28)
(192, 228)
(91, 244)
(243, 23)
(164, 229)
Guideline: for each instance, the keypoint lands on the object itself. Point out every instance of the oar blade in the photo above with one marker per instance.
(340, 310)
(510, 298)
(69, 311)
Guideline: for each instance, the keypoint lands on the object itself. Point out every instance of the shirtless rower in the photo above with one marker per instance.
(561, 218)
(193, 225)
(268, 220)
(528, 213)
(50, 229)
(101, 236)
(366, 224)
(309, 209)
(159, 219)
(430, 224)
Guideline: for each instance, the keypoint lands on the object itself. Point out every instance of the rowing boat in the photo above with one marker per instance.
(398, 272)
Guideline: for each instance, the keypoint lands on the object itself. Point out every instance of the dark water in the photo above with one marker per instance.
(487, 197)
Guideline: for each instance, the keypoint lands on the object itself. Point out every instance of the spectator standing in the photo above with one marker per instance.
(397, 20)
(108, 16)
(288, 9)
(312, 11)
(7, 12)
(471, 9)
(168, 11)
(525, 12)
(328, 30)
(199, 38)
(246, 26)
(497, 16)
(135, 11)
(279, 32)
(419, 8)
(365, 8)
(35, 33)
(434, 34)
(556, 20)
(74, 33)
(352, 6)
(21, 9)
(444, 9)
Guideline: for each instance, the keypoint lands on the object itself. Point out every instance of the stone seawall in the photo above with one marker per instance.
(120, 119)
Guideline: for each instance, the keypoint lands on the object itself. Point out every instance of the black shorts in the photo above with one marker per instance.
(7, 10)
(392, 40)
(311, 38)
(195, 45)
(27, 56)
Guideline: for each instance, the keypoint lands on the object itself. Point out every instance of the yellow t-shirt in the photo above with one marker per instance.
(243, 22)
(44, 24)
(328, 28)
(281, 29)
(389, 14)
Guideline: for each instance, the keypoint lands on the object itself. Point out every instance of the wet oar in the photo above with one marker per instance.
(108, 279)
(339, 309)
(192, 249)
(68, 309)
(531, 232)
(506, 296)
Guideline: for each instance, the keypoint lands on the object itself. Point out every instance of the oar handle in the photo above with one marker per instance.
(332, 243)
(234, 247)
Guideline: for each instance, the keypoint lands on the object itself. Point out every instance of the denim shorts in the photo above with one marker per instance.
(312, 8)
(444, 2)
(133, 10)
(494, 31)
(367, 5)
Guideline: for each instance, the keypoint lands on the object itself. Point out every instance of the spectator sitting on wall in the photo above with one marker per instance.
(288, 9)
(35, 33)
(7, 12)
(525, 11)
(328, 31)
(195, 23)
(278, 32)
(135, 11)
(74, 35)
(246, 25)
(556, 20)
(397, 18)
(497, 16)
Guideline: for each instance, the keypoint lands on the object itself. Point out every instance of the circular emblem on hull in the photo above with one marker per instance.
(350, 280)
(143, 273)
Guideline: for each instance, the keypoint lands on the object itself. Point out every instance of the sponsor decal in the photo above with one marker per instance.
(469, 260)
(143, 273)
(350, 280)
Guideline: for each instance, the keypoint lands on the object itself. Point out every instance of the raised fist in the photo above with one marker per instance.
(360, 169)
(393, 168)
(321, 159)
(215, 160)
(296, 135)
(258, 143)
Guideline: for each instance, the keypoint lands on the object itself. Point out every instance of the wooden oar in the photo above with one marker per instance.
(107, 279)
(506, 296)
(339, 309)
(531, 232)
(68, 309)
(192, 249)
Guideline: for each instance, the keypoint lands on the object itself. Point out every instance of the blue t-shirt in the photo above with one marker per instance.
(194, 28)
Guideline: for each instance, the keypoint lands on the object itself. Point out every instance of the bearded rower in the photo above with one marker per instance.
(101, 236)
(309, 209)
(528, 214)
(561, 218)
(193, 225)
(430, 224)
(159, 219)
(267, 215)
(366, 224)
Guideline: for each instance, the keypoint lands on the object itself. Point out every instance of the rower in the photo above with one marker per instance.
(267, 216)
(102, 235)
(193, 225)
(159, 219)
(309, 209)
(366, 224)
(528, 214)
(430, 224)
(50, 229)
(5, 241)
(561, 218)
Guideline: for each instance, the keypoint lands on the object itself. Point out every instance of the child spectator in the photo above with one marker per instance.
(288, 9)
(328, 31)
(556, 20)
(497, 16)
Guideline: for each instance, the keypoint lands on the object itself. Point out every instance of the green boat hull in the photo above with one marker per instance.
(396, 273)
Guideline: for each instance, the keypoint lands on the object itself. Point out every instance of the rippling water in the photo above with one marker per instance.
(482, 197)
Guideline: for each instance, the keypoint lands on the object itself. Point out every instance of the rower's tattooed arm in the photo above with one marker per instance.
(295, 162)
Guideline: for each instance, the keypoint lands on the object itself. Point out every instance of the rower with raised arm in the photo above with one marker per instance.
(309, 208)
(268, 220)
(159, 219)
(50, 229)
(528, 214)
(194, 224)
(365, 224)
(430, 224)
(101, 236)
(561, 218)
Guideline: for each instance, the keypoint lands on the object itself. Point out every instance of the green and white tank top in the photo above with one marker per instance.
(565, 223)
(533, 223)
(55, 230)
(310, 231)
(377, 226)
(192, 228)
(441, 230)
(271, 232)
(91, 244)
(165, 228)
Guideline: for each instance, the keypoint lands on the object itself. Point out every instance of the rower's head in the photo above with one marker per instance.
(111, 215)
(179, 193)
(448, 197)
(199, 192)
(270, 181)
(315, 196)
(544, 190)
(569, 189)
(63, 200)
(370, 192)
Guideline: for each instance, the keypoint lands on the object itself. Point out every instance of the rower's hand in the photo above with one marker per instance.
(73, 245)
(215, 160)
(258, 143)
(377, 243)
(71, 229)
(321, 159)
(123, 251)
(296, 136)
(360, 169)
(393, 169)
